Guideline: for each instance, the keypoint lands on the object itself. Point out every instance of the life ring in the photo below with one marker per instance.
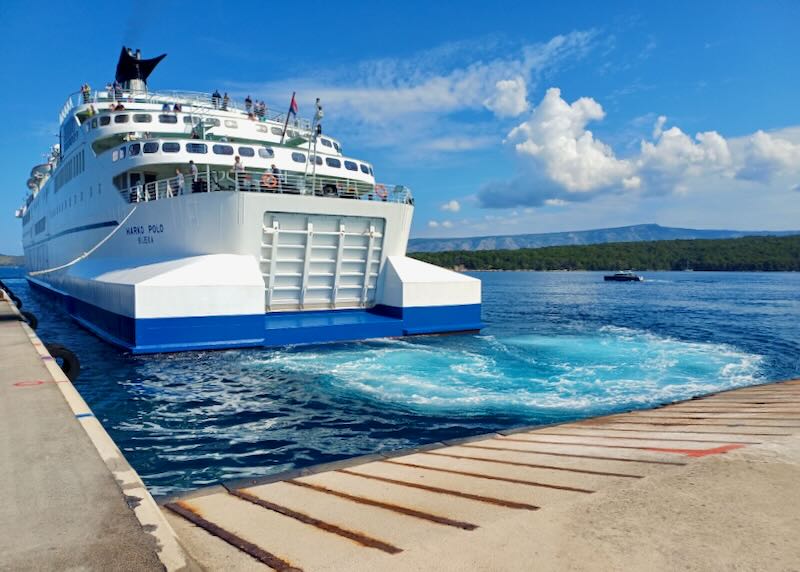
(380, 190)
(66, 360)
(269, 180)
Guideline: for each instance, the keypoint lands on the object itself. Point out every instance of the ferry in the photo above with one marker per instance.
(171, 221)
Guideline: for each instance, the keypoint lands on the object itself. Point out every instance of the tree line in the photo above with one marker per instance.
(752, 253)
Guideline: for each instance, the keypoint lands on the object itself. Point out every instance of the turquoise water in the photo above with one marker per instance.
(557, 346)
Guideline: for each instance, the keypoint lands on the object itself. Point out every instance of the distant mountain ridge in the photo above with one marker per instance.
(634, 233)
(9, 260)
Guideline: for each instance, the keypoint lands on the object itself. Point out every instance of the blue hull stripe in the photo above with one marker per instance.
(155, 335)
(75, 229)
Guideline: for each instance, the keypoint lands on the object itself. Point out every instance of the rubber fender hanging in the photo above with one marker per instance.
(30, 318)
(66, 360)
(15, 299)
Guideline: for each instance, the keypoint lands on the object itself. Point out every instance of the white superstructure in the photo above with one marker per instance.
(174, 220)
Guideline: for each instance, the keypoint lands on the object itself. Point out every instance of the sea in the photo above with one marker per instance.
(557, 346)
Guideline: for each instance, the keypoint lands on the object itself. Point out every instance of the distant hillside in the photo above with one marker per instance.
(752, 253)
(8, 260)
(635, 233)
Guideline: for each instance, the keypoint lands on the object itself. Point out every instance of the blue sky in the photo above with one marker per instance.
(502, 117)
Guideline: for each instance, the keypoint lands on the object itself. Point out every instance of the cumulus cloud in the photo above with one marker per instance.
(452, 206)
(563, 160)
(510, 98)
(433, 224)
(557, 138)
(766, 154)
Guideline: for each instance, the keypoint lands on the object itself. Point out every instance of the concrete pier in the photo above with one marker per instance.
(707, 484)
(70, 501)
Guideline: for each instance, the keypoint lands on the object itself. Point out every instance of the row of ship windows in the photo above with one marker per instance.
(70, 169)
(194, 120)
(219, 149)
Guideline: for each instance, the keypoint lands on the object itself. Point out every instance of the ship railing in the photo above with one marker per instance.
(287, 183)
(186, 98)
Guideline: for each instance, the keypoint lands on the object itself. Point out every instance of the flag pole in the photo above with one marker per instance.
(286, 123)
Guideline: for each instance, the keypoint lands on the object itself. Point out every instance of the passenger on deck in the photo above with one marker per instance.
(215, 97)
(225, 101)
(179, 181)
(165, 107)
(119, 107)
(248, 104)
(86, 92)
(177, 107)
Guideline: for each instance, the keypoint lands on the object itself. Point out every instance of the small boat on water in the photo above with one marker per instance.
(623, 276)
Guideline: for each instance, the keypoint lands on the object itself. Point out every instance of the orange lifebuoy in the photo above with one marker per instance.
(380, 190)
(269, 180)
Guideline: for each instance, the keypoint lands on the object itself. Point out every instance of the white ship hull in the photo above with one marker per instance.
(196, 271)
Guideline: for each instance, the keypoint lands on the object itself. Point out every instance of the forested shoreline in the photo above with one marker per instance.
(752, 253)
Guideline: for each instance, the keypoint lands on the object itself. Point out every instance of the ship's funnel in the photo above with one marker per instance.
(133, 71)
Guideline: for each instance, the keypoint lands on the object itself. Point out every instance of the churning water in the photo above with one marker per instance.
(557, 346)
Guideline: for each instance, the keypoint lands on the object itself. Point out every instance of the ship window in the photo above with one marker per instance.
(164, 118)
(331, 162)
(142, 118)
(121, 119)
(266, 153)
(246, 152)
(196, 148)
(318, 160)
(114, 157)
(231, 123)
(326, 143)
(134, 149)
(365, 169)
(350, 166)
(371, 172)
(150, 147)
(277, 131)
(222, 149)
(298, 157)
(105, 120)
(190, 119)
(171, 147)
(122, 153)
(262, 128)
(336, 146)
(94, 123)
(211, 122)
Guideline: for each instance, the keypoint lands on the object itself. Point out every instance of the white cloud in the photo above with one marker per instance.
(510, 98)
(675, 154)
(658, 128)
(766, 154)
(402, 102)
(433, 224)
(452, 206)
(556, 137)
(447, 224)
(566, 162)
